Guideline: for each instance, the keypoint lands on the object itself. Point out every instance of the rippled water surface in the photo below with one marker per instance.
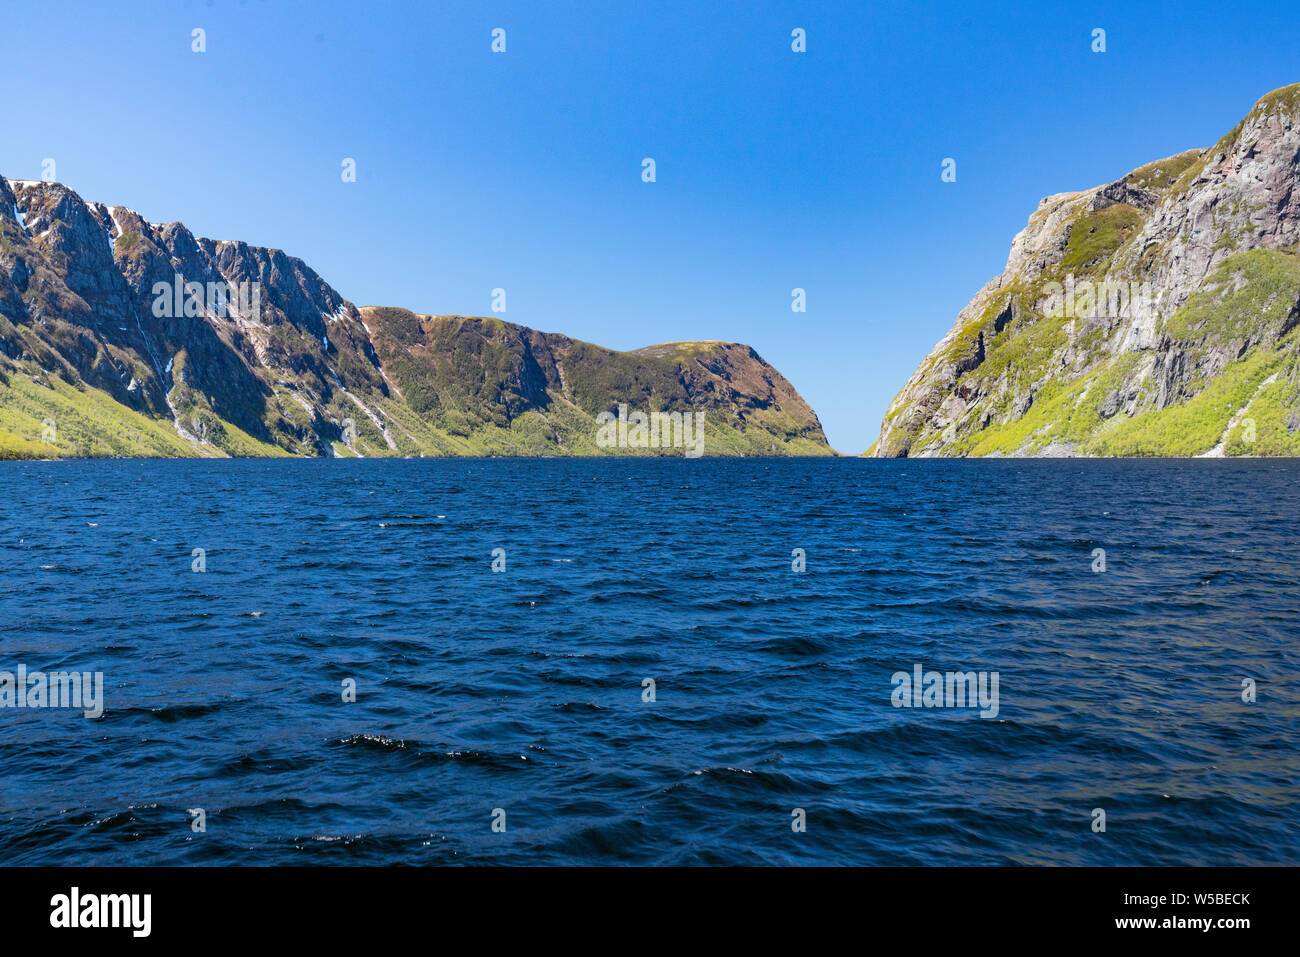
(522, 690)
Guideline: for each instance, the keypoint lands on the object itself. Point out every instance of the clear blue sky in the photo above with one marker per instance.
(523, 170)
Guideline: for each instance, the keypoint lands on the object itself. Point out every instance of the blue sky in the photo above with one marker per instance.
(522, 170)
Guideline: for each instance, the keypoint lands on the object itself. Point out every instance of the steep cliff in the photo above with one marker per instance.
(1155, 315)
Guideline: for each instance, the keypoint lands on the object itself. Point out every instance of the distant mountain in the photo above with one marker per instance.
(1156, 315)
(121, 337)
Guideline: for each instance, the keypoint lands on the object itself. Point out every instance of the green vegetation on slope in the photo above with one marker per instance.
(473, 385)
(1245, 314)
(1096, 237)
(56, 419)
(1248, 295)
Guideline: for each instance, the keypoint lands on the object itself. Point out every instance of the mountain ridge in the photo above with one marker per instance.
(121, 336)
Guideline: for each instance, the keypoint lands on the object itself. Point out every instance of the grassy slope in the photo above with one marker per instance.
(85, 423)
(450, 369)
(1249, 292)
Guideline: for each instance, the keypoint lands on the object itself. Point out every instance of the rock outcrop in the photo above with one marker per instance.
(1155, 315)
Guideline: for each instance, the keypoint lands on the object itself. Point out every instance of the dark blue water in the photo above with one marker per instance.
(522, 690)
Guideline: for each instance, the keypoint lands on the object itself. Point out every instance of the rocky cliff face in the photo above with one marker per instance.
(123, 337)
(1156, 315)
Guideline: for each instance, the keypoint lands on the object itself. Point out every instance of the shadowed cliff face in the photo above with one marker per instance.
(123, 337)
(1155, 315)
